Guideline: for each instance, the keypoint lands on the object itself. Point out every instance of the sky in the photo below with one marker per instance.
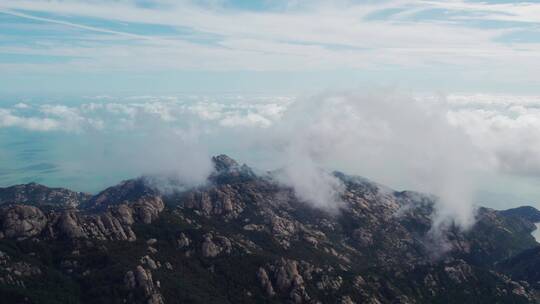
(151, 46)
(435, 96)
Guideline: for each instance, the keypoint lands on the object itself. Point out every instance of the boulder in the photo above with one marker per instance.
(21, 221)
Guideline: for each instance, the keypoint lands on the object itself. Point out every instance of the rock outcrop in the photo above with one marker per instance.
(285, 279)
(105, 226)
(213, 246)
(223, 200)
(111, 223)
(141, 280)
(21, 221)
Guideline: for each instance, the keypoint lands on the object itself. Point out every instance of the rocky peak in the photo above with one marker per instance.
(127, 191)
(141, 280)
(223, 162)
(525, 212)
(229, 170)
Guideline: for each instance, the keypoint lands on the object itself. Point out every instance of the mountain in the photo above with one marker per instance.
(39, 195)
(526, 212)
(245, 238)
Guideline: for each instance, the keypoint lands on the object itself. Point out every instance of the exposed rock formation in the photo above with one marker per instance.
(105, 226)
(21, 221)
(212, 246)
(183, 241)
(265, 282)
(287, 281)
(141, 280)
(222, 200)
(113, 223)
(147, 208)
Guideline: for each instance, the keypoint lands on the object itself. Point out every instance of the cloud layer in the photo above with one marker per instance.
(441, 145)
(484, 43)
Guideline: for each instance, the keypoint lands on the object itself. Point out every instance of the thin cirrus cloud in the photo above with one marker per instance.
(171, 36)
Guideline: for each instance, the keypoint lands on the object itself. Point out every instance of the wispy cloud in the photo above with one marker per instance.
(321, 35)
(71, 24)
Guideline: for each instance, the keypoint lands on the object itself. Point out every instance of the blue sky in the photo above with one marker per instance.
(162, 46)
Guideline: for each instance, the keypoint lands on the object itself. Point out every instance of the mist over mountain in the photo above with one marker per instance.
(378, 134)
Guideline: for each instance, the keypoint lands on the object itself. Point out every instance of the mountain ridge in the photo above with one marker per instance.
(244, 238)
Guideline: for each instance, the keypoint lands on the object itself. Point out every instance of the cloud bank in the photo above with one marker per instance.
(435, 144)
(389, 137)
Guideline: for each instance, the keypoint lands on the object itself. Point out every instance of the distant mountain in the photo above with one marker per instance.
(244, 238)
(526, 212)
(39, 195)
(126, 191)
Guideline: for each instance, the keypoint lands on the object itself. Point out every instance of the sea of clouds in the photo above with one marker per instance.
(444, 145)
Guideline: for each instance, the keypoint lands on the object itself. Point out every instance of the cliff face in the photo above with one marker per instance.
(244, 238)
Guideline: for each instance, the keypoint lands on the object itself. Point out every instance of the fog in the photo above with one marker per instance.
(384, 135)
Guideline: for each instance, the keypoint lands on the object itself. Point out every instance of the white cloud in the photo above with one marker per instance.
(504, 126)
(208, 111)
(491, 100)
(517, 11)
(146, 111)
(159, 109)
(388, 137)
(320, 35)
(21, 105)
(432, 144)
(248, 120)
(71, 118)
(8, 119)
